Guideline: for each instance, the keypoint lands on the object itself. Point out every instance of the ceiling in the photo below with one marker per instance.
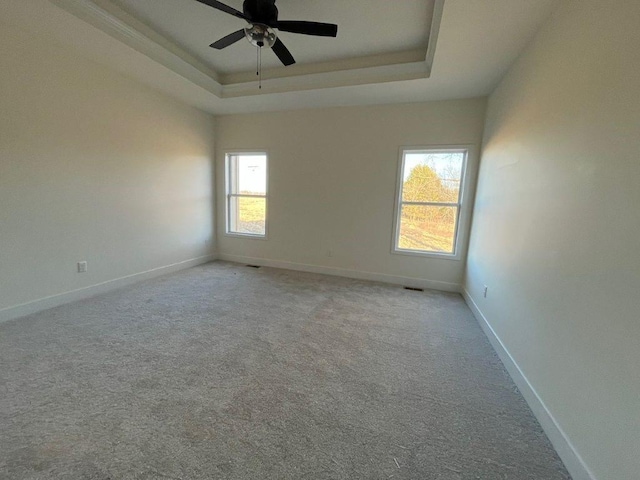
(385, 52)
(193, 26)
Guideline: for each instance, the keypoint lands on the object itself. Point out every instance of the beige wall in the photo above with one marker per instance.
(95, 167)
(332, 181)
(557, 227)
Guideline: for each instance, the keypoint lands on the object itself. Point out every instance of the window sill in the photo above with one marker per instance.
(417, 253)
(245, 235)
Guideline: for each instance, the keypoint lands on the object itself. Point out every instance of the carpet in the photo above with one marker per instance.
(228, 372)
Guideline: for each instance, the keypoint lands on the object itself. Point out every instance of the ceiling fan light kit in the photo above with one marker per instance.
(260, 35)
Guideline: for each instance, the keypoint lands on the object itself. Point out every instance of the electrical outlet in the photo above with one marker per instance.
(329, 253)
(82, 267)
(486, 289)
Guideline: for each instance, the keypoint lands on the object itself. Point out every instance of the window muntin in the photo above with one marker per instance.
(246, 175)
(429, 201)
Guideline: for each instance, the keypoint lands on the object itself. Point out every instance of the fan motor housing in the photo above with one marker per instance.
(261, 11)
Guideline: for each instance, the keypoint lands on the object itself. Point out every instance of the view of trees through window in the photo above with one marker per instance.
(429, 201)
(247, 176)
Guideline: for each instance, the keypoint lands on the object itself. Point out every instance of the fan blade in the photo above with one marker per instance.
(308, 28)
(283, 53)
(228, 40)
(225, 8)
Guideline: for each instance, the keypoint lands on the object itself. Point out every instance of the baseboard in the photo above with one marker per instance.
(566, 450)
(45, 303)
(341, 272)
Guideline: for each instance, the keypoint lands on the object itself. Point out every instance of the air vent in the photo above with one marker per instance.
(253, 266)
(414, 289)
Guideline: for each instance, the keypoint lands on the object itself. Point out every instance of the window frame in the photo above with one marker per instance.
(229, 194)
(461, 204)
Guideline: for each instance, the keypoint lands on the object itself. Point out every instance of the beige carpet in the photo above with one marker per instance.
(229, 372)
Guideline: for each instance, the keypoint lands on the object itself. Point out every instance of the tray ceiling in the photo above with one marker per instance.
(367, 28)
(177, 33)
(469, 46)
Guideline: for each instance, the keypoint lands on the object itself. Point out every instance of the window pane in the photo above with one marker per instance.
(247, 215)
(432, 177)
(252, 175)
(427, 228)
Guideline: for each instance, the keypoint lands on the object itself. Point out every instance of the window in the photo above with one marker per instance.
(430, 186)
(246, 179)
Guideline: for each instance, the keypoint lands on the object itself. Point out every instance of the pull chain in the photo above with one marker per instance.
(259, 66)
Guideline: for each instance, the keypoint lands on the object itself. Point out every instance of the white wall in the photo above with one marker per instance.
(95, 167)
(332, 181)
(557, 226)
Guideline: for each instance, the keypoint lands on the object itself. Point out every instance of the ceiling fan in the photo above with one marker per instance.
(262, 16)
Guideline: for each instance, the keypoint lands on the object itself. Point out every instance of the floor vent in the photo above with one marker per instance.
(253, 266)
(414, 289)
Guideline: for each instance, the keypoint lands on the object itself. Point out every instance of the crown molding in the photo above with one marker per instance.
(117, 23)
(434, 33)
(343, 78)
(121, 26)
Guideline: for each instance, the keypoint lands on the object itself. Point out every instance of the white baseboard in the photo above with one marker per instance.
(341, 272)
(567, 452)
(45, 303)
